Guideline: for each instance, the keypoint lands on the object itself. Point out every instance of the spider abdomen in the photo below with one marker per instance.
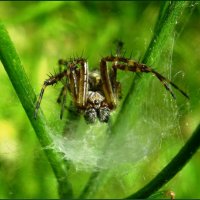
(97, 108)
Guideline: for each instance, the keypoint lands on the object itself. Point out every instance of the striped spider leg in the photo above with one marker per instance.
(76, 74)
(126, 64)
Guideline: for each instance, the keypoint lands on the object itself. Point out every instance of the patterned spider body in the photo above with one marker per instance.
(97, 108)
(96, 94)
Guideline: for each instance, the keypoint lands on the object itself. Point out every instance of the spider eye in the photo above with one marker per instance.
(90, 115)
(104, 114)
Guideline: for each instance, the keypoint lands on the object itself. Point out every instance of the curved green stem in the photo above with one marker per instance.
(22, 86)
(176, 164)
(164, 28)
(169, 16)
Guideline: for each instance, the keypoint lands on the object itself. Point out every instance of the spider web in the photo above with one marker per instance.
(150, 128)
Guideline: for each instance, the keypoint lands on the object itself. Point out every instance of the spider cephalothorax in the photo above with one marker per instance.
(96, 94)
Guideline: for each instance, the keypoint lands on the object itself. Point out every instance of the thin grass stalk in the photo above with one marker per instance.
(27, 97)
(171, 13)
(175, 165)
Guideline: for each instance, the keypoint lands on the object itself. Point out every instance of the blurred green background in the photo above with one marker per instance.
(42, 33)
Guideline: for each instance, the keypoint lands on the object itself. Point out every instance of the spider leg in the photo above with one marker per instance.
(116, 86)
(165, 81)
(83, 84)
(77, 73)
(64, 93)
(130, 65)
(62, 99)
(78, 81)
(107, 85)
(51, 81)
(73, 77)
(60, 95)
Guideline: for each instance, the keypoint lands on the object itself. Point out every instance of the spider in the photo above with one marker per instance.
(97, 94)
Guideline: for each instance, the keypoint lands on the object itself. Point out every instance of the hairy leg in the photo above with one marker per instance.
(51, 81)
(130, 65)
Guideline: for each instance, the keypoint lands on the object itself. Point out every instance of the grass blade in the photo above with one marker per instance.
(176, 164)
(171, 13)
(21, 84)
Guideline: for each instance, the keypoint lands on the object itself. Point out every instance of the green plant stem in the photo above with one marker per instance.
(165, 29)
(163, 7)
(171, 13)
(176, 164)
(22, 86)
